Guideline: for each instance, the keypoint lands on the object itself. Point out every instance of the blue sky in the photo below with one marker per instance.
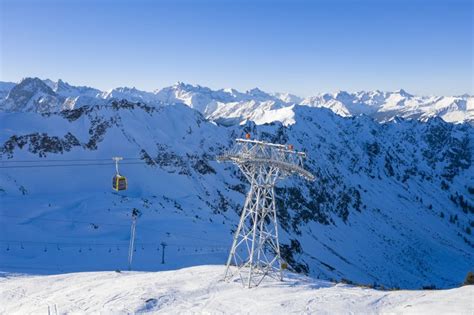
(303, 47)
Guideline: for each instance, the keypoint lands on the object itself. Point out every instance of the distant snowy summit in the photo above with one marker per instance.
(229, 106)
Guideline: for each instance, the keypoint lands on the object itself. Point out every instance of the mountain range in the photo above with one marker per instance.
(392, 204)
(229, 106)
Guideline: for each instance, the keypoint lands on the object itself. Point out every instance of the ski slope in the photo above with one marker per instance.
(201, 290)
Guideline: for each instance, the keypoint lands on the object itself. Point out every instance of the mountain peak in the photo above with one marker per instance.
(61, 85)
(49, 83)
(31, 95)
(343, 96)
(186, 86)
(403, 93)
(256, 92)
(288, 98)
(33, 83)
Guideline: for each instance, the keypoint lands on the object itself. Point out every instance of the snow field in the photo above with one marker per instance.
(201, 290)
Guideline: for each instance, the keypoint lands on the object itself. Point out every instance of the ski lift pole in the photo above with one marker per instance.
(132, 241)
(163, 246)
(135, 215)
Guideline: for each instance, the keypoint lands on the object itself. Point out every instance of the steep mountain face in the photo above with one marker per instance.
(76, 96)
(31, 95)
(66, 90)
(5, 88)
(44, 96)
(393, 204)
(229, 106)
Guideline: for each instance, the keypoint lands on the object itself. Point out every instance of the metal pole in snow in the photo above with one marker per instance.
(132, 239)
(163, 245)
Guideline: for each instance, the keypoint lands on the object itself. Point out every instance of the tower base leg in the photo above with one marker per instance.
(255, 251)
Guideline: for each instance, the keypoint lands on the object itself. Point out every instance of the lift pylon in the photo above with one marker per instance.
(255, 251)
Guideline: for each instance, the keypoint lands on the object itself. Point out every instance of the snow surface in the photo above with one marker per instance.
(201, 290)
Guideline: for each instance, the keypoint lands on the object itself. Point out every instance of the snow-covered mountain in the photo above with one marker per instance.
(66, 90)
(393, 203)
(130, 94)
(32, 95)
(229, 106)
(43, 96)
(384, 106)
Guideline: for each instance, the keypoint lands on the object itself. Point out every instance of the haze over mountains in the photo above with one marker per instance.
(230, 106)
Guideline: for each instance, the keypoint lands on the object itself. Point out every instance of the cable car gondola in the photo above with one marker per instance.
(119, 182)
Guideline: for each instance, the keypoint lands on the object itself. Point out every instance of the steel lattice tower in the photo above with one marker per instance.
(255, 250)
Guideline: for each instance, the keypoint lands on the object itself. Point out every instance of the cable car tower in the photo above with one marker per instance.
(255, 250)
